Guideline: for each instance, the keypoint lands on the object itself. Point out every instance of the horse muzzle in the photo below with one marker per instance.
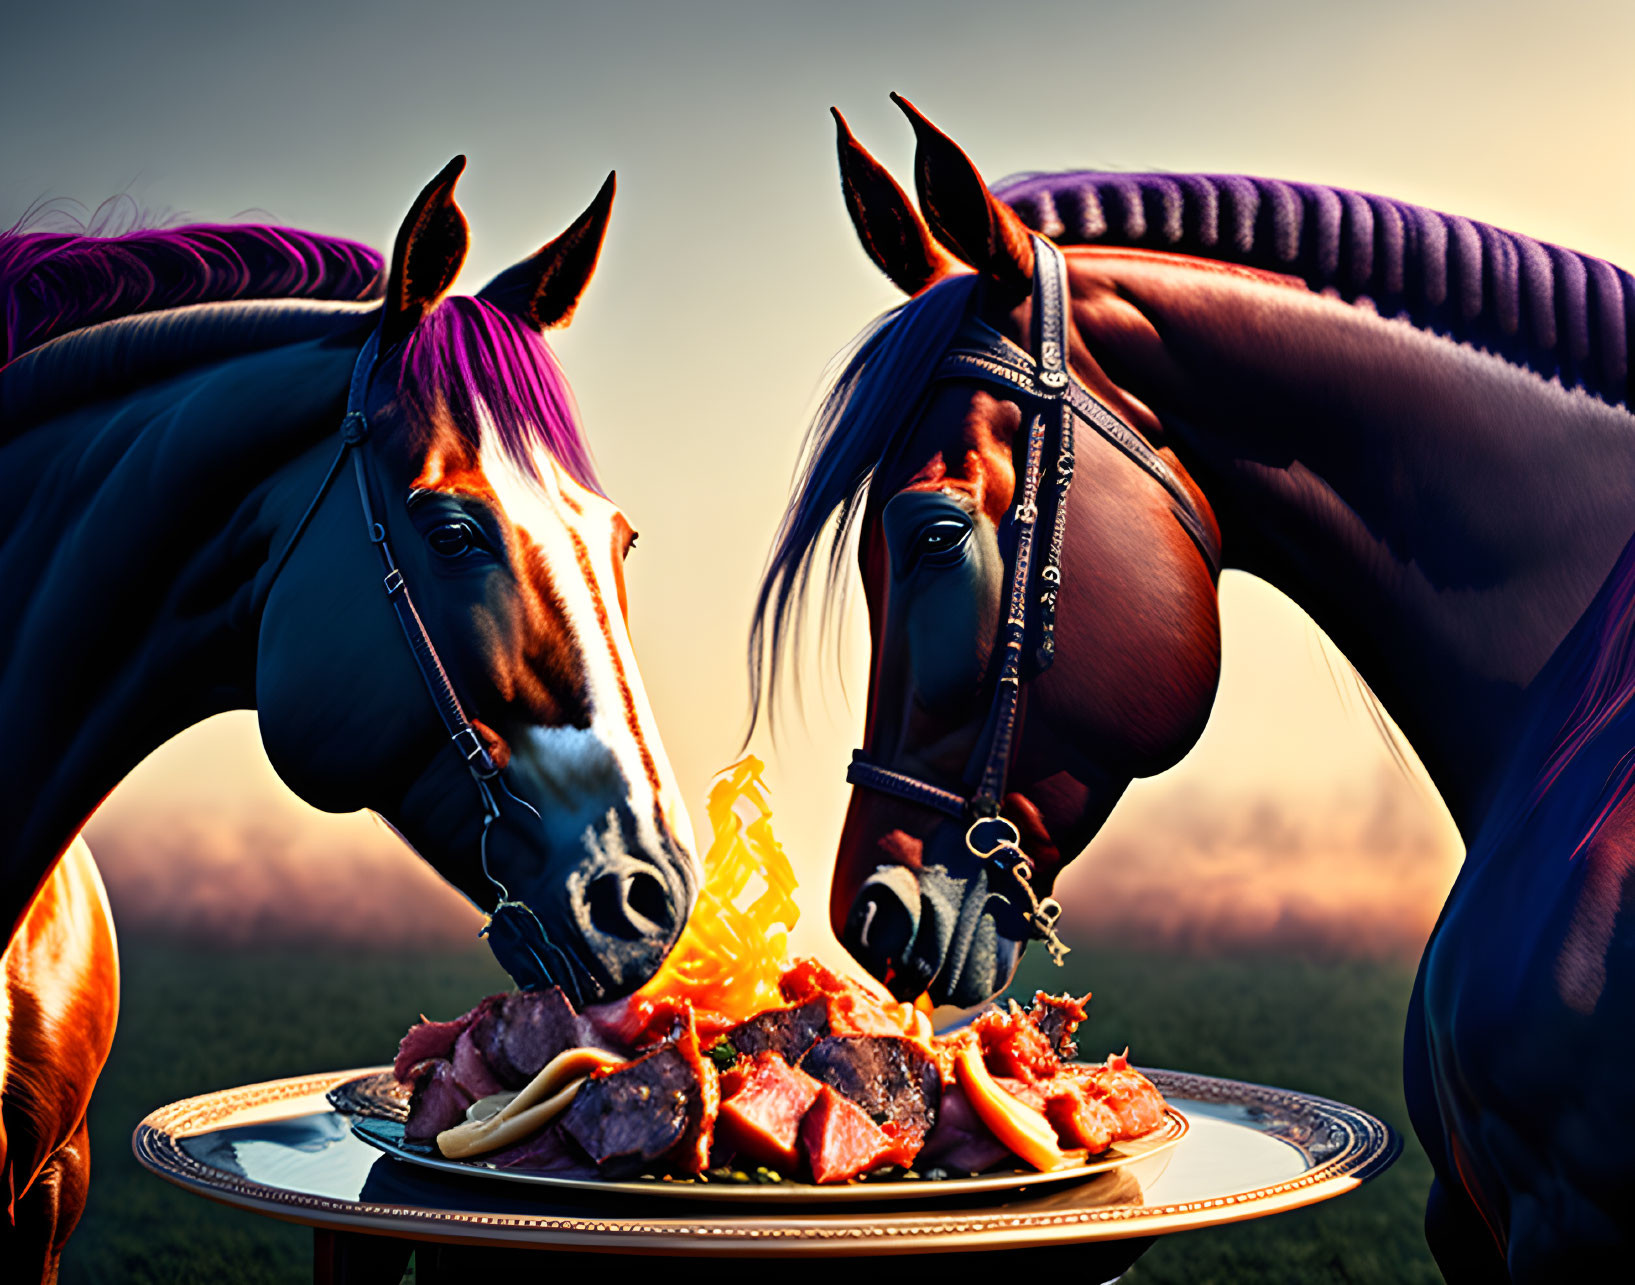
(598, 916)
(935, 931)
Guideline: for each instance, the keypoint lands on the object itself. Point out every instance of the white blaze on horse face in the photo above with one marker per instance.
(620, 754)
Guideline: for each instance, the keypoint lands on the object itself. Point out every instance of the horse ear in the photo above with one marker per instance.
(431, 246)
(890, 228)
(543, 290)
(963, 213)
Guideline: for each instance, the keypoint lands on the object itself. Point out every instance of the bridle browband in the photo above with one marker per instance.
(515, 934)
(1044, 385)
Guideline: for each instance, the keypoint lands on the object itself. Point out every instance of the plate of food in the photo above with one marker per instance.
(738, 1074)
(795, 1103)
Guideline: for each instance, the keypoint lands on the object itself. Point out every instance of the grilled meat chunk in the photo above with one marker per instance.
(633, 1116)
(840, 1140)
(853, 1010)
(891, 1078)
(1012, 1045)
(471, 1070)
(1080, 1119)
(425, 1040)
(693, 1153)
(518, 1033)
(763, 1102)
(1128, 1094)
(1057, 1017)
(788, 1032)
(437, 1103)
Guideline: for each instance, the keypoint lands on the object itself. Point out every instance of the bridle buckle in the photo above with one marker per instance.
(474, 752)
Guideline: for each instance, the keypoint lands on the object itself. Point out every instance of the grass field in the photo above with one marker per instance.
(196, 1019)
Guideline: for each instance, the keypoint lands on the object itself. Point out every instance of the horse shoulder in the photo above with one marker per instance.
(1529, 994)
(58, 1008)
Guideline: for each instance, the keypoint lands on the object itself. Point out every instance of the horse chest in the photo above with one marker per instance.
(1528, 995)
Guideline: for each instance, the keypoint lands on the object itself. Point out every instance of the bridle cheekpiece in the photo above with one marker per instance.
(1045, 387)
(516, 936)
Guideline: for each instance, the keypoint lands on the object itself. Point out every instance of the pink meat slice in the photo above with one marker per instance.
(438, 1102)
(426, 1040)
(433, 1039)
(471, 1070)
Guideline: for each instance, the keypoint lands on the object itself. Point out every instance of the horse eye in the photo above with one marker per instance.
(452, 539)
(940, 537)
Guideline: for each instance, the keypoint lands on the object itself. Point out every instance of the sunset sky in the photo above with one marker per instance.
(730, 277)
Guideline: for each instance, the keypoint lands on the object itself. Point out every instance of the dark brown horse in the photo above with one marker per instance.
(242, 478)
(1418, 428)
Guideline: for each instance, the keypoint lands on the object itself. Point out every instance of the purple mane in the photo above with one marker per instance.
(52, 283)
(1562, 314)
(476, 363)
(466, 356)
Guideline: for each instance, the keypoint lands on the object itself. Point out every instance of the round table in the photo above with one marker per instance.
(280, 1149)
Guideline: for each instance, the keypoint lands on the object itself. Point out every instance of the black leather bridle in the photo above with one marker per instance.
(1044, 386)
(519, 941)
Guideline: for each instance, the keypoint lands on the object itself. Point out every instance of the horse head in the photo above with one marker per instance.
(933, 465)
(559, 803)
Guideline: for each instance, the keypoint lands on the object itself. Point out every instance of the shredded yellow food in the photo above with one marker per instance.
(730, 954)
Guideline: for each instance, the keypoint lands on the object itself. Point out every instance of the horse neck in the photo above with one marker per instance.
(1446, 517)
(128, 577)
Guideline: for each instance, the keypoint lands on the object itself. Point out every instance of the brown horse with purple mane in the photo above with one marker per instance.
(251, 469)
(1416, 426)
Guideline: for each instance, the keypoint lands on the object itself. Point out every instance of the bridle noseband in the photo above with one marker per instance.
(1044, 385)
(515, 934)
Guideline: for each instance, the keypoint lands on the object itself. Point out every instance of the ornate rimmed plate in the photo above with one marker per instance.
(376, 1103)
(281, 1149)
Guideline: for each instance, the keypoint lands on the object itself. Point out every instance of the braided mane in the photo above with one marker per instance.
(52, 283)
(1562, 314)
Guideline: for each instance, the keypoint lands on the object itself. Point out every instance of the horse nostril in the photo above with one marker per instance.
(633, 907)
(884, 918)
(646, 895)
